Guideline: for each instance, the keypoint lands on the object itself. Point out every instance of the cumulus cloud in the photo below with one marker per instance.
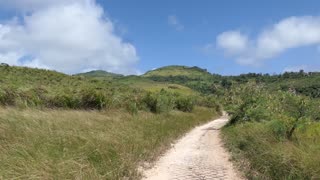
(65, 35)
(292, 32)
(175, 23)
(233, 42)
(30, 5)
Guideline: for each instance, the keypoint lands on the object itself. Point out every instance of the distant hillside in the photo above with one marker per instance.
(193, 77)
(29, 87)
(99, 73)
(175, 71)
(22, 86)
(152, 86)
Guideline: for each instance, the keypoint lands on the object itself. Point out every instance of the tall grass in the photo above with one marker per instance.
(264, 152)
(73, 144)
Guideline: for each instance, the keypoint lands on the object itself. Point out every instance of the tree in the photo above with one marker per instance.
(295, 107)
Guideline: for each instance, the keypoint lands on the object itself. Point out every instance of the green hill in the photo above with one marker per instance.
(100, 73)
(176, 71)
(153, 86)
(193, 77)
(28, 87)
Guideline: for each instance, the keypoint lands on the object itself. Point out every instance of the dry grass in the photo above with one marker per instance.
(64, 144)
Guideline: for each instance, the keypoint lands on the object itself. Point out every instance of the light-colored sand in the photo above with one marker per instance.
(198, 155)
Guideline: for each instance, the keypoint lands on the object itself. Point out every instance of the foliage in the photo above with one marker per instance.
(272, 131)
(274, 119)
(263, 152)
(185, 104)
(26, 87)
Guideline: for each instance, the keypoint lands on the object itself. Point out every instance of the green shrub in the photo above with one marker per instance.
(65, 100)
(7, 97)
(210, 102)
(132, 107)
(185, 104)
(33, 97)
(161, 102)
(92, 99)
(278, 128)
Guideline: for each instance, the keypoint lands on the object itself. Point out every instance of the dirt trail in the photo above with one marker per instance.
(198, 155)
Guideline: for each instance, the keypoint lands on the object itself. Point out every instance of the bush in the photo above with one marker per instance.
(132, 107)
(161, 102)
(7, 97)
(93, 99)
(65, 100)
(34, 97)
(185, 104)
(210, 102)
(134, 103)
(278, 128)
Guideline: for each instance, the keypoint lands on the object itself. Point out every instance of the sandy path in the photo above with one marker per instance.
(198, 155)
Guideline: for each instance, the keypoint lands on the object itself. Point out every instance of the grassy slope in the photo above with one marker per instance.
(142, 82)
(22, 78)
(77, 144)
(61, 144)
(100, 74)
(27, 87)
(193, 77)
(152, 86)
(192, 72)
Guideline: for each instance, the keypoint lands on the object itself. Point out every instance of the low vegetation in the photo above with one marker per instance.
(29, 88)
(273, 135)
(100, 125)
(56, 126)
(70, 144)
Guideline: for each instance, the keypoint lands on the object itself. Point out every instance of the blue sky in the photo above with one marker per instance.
(225, 37)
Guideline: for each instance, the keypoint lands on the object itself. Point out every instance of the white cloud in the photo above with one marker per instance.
(175, 23)
(68, 36)
(30, 5)
(233, 42)
(292, 32)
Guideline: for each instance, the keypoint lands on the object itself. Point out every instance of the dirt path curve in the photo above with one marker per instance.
(198, 155)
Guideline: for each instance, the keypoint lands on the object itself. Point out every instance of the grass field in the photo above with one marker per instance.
(70, 144)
